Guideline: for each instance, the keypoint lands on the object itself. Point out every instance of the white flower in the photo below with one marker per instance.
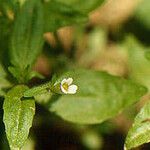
(67, 87)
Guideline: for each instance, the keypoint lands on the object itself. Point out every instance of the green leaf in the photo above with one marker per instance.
(142, 13)
(140, 130)
(139, 66)
(18, 116)
(7, 7)
(58, 15)
(5, 32)
(21, 2)
(35, 74)
(38, 90)
(100, 96)
(21, 76)
(81, 5)
(27, 38)
(147, 54)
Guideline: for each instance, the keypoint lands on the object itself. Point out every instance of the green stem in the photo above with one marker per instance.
(38, 90)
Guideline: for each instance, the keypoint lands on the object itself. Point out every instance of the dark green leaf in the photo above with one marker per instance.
(18, 116)
(27, 40)
(58, 15)
(140, 130)
(142, 13)
(5, 28)
(81, 5)
(7, 7)
(100, 96)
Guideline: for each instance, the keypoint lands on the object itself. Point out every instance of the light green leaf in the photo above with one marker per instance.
(140, 130)
(139, 66)
(58, 15)
(34, 74)
(147, 54)
(21, 2)
(142, 13)
(100, 96)
(27, 38)
(38, 90)
(83, 6)
(18, 116)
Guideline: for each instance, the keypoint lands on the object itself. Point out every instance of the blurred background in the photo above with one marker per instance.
(115, 39)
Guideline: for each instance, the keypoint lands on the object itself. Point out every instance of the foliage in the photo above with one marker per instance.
(97, 91)
(136, 52)
(142, 13)
(75, 94)
(18, 116)
(139, 133)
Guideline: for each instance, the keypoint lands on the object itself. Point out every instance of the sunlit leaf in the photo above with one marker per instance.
(140, 130)
(100, 96)
(18, 116)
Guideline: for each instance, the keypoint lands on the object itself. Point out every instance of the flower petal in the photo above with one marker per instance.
(69, 81)
(63, 81)
(72, 89)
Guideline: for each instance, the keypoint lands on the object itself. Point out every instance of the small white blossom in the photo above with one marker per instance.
(67, 87)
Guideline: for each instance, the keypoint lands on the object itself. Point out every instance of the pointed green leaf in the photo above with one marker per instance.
(58, 15)
(140, 130)
(100, 96)
(27, 38)
(18, 116)
(83, 6)
(142, 13)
